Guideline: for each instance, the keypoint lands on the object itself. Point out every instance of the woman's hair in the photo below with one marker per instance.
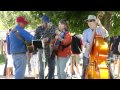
(65, 22)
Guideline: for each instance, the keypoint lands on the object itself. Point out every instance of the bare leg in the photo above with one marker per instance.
(9, 72)
(114, 67)
(118, 67)
(77, 70)
(72, 66)
(71, 70)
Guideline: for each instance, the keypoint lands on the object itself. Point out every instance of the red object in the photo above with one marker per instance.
(67, 51)
(22, 20)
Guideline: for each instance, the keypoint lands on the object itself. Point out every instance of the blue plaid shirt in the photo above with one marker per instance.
(42, 32)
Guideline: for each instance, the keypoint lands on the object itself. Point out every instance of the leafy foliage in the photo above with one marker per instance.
(75, 19)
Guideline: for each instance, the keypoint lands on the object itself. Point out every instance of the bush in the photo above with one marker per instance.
(2, 59)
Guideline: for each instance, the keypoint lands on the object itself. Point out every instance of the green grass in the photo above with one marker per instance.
(1, 59)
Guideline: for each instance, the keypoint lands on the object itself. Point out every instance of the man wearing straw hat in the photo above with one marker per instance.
(94, 24)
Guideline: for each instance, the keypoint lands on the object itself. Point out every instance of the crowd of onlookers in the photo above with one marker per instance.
(114, 54)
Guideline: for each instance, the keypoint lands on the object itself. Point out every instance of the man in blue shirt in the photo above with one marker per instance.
(94, 24)
(18, 48)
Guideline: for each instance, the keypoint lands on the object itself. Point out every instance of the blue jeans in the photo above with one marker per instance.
(61, 65)
(85, 64)
(20, 61)
(51, 65)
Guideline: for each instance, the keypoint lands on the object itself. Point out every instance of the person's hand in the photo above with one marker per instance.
(98, 21)
(57, 32)
(46, 39)
(57, 37)
(88, 46)
(119, 47)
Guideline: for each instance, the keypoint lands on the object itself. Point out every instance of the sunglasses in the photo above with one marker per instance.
(91, 20)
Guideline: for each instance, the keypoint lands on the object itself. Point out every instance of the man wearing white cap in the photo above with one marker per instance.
(94, 24)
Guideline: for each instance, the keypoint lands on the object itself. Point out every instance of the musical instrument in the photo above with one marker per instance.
(97, 67)
(55, 47)
(30, 47)
(58, 43)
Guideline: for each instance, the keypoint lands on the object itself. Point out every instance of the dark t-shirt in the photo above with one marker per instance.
(115, 45)
(76, 44)
(112, 39)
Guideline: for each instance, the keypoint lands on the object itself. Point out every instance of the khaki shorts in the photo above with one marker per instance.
(75, 58)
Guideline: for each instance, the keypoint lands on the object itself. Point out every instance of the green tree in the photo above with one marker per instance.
(111, 19)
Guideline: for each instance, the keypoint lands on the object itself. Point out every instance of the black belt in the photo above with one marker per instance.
(20, 53)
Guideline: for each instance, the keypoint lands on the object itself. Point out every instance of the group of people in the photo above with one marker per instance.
(114, 54)
(55, 39)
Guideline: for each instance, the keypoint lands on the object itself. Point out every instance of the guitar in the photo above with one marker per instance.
(30, 47)
(55, 47)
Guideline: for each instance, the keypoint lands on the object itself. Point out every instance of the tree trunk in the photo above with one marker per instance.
(108, 15)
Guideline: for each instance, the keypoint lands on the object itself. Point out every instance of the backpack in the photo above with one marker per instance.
(76, 45)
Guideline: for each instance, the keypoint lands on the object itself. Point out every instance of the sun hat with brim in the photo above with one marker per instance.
(91, 17)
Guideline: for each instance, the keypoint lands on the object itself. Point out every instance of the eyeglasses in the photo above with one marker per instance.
(91, 20)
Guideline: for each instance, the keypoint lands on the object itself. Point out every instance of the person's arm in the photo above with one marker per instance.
(81, 44)
(26, 35)
(7, 39)
(85, 43)
(119, 47)
(4, 46)
(7, 43)
(52, 45)
(37, 34)
(104, 31)
(53, 42)
(111, 46)
(52, 34)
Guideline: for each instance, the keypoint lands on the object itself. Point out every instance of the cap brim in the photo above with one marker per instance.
(87, 20)
(25, 22)
(46, 21)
